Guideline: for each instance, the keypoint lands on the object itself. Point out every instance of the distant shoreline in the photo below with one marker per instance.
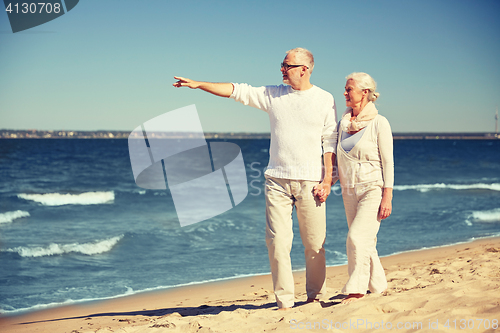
(60, 134)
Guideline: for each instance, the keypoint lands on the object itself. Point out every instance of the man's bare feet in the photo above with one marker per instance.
(283, 309)
(351, 298)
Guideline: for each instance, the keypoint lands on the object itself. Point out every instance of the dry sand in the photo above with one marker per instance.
(449, 289)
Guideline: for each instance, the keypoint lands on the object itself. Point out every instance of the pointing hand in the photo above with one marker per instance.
(184, 82)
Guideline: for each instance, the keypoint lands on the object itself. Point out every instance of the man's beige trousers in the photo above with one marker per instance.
(281, 197)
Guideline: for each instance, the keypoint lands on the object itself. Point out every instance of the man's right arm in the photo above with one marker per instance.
(218, 89)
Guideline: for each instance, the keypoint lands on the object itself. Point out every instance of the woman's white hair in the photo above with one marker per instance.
(304, 55)
(365, 81)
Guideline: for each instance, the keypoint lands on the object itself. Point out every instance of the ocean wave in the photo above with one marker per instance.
(58, 199)
(486, 216)
(429, 187)
(8, 217)
(94, 248)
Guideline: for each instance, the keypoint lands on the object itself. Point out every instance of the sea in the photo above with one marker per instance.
(75, 227)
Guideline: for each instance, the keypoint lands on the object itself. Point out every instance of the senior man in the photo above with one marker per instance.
(299, 174)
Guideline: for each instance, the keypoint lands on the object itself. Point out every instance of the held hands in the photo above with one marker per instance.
(184, 82)
(322, 190)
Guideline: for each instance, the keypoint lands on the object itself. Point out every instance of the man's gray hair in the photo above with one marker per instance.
(304, 55)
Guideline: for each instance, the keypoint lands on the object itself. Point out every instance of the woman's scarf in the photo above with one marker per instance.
(361, 121)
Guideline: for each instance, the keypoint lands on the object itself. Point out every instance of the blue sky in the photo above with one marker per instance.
(109, 64)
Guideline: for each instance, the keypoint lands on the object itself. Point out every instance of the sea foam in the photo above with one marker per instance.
(486, 215)
(429, 187)
(58, 199)
(93, 248)
(8, 217)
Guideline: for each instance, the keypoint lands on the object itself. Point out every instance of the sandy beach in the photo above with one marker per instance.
(447, 289)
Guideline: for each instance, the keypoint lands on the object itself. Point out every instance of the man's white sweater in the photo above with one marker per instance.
(302, 127)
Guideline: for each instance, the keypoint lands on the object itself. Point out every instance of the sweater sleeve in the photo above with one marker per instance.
(385, 144)
(248, 95)
(329, 135)
(337, 138)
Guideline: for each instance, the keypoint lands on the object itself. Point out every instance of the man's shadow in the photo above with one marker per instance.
(187, 311)
(183, 311)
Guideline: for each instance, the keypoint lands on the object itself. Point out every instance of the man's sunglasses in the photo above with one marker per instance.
(287, 66)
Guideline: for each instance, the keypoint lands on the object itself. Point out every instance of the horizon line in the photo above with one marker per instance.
(228, 132)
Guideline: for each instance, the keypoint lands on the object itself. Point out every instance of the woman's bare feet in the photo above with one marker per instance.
(310, 300)
(351, 298)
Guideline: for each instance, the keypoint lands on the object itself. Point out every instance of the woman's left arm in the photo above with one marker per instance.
(385, 208)
(385, 145)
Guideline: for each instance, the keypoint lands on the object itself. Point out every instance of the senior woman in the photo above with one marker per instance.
(366, 172)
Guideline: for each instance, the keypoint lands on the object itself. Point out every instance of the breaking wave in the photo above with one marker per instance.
(58, 199)
(429, 187)
(486, 216)
(8, 217)
(94, 248)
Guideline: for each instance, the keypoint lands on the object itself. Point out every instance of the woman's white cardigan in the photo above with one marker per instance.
(371, 159)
